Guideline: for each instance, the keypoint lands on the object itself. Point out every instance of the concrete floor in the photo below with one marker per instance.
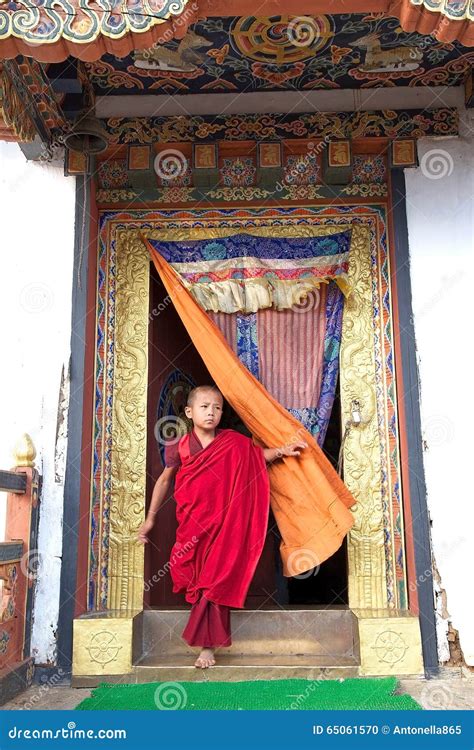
(453, 689)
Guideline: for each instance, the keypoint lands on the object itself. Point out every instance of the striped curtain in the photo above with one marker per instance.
(294, 352)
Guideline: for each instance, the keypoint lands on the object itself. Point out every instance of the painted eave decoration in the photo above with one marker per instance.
(249, 54)
(52, 30)
(446, 20)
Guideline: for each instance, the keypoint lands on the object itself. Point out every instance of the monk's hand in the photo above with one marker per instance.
(145, 529)
(293, 449)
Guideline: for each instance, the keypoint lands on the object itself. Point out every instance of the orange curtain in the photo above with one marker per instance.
(309, 500)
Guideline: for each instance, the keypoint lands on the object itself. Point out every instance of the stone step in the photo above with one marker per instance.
(329, 633)
(235, 668)
(166, 671)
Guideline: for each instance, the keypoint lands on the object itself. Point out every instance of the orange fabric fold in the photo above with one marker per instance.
(309, 500)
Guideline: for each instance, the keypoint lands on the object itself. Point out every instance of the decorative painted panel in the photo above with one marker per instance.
(235, 54)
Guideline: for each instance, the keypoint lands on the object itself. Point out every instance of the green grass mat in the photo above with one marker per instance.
(358, 693)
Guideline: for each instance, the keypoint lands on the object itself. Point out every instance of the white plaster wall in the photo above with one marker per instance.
(440, 207)
(36, 261)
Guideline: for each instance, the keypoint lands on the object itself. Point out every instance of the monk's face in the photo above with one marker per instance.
(206, 410)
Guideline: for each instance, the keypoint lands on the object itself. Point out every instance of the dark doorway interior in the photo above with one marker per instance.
(171, 353)
(328, 584)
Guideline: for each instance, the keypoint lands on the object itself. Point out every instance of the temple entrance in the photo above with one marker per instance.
(149, 352)
(175, 366)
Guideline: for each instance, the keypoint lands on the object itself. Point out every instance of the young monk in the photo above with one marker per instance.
(222, 504)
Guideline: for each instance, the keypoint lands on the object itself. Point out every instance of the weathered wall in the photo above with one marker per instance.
(440, 209)
(37, 207)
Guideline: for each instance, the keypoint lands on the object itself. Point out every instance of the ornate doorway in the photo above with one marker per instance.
(377, 571)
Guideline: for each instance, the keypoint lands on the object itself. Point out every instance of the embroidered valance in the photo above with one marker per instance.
(246, 273)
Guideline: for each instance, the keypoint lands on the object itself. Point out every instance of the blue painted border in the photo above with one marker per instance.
(72, 481)
(417, 486)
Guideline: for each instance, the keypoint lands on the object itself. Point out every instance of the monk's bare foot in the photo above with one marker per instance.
(205, 658)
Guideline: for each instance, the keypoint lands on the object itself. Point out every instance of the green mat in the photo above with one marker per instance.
(354, 693)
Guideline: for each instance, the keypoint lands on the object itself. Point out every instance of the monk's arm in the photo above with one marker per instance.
(291, 449)
(161, 490)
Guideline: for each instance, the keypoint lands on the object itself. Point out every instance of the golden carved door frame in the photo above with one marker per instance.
(376, 554)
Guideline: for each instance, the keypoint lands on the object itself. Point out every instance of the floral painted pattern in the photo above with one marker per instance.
(302, 170)
(369, 169)
(238, 171)
(113, 174)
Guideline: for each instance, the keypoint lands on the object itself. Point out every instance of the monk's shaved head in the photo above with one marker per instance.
(203, 389)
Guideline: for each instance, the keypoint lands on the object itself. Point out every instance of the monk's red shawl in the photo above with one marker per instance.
(222, 496)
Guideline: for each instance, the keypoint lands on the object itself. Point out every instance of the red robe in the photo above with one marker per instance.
(222, 496)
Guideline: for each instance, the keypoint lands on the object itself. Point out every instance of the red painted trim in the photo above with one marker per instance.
(17, 528)
(412, 589)
(159, 206)
(265, 8)
(87, 414)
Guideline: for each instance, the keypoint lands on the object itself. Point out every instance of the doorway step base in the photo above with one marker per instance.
(230, 669)
(320, 631)
(311, 643)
